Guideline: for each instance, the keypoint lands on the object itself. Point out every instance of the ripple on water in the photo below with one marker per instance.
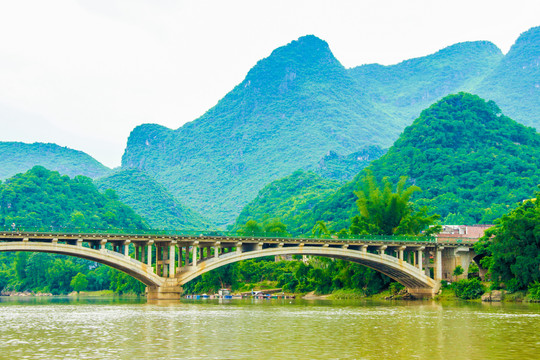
(245, 330)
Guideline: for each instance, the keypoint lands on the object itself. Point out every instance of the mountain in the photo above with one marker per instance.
(47, 200)
(292, 108)
(18, 157)
(344, 167)
(40, 198)
(409, 87)
(152, 201)
(515, 83)
(288, 200)
(472, 163)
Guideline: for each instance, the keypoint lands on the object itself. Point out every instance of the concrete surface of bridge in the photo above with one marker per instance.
(164, 262)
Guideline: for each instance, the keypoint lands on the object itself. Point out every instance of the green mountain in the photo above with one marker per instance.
(472, 163)
(44, 199)
(152, 201)
(291, 109)
(344, 167)
(18, 157)
(288, 200)
(515, 83)
(409, 87)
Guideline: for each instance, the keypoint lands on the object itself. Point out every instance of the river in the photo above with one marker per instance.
(63, 328)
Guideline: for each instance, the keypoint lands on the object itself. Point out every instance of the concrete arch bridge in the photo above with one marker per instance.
(164, 262)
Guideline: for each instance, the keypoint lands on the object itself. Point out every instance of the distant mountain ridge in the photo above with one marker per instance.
(515, 83)
(18, 157)
(407, 88)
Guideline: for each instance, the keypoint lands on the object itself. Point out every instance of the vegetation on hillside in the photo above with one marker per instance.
(288, 200)
(515, 83)
(18, 157)
(344, 167)
(407, 88)
(472, 163)
(152, 201)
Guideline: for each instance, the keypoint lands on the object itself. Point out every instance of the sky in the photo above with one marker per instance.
(83, 74)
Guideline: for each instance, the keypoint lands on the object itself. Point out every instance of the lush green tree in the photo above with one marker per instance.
(385, 212)
(458, 270)
(250, 228)
(511, 248)
(79, 282)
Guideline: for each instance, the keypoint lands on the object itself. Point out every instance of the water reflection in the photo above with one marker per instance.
(247, 329)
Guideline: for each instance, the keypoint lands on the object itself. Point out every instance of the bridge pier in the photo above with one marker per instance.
(170, 290)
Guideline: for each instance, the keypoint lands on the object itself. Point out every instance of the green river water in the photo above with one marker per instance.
(62, 328)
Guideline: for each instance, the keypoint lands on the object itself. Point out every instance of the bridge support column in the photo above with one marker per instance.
(400, 252)
(437, 273)
(419, 260)
(149, 253)
(452, 257)
(172, 260)
(170, 290)
(381, 249)
(194, 255)
(217, 246)
(102, 244)
(126, 247)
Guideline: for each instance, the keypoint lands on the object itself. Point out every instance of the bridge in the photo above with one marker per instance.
(164, 261)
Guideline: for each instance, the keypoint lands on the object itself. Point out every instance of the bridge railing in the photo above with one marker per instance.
(212, 233)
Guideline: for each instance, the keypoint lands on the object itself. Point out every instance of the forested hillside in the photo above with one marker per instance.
(515, 83)
(472, 163)
(288, 200)
(46, 200)
(405, 89)
(18, 157)
(334, 166)
(152, 201)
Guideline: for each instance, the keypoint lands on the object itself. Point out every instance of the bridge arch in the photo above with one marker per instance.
(132, 267)
(411, 277)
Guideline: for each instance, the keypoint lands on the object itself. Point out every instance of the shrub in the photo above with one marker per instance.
(534, 291)
(396, 287)
(468, 289)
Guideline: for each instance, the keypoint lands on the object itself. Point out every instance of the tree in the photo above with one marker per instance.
(251, 228)
(512, 247)
(384, 212)
(458, 271)
(320, 229)
(79, 282)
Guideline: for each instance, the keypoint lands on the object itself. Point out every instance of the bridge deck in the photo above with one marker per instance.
(209, 239)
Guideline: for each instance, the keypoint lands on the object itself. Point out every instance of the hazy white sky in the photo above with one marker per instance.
(84, 73)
